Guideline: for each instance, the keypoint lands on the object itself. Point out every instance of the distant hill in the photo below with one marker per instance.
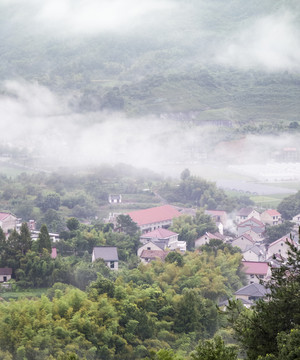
(196, 61)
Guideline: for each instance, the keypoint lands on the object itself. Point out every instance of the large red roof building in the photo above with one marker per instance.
(154, 218)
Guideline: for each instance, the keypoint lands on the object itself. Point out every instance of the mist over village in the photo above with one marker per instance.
(149, 180)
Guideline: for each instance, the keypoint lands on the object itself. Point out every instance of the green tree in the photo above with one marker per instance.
(214, 349)
(175, 257)
(25, 238)
(290, 206)
(191, 228)
(44, 241)
(185, 174)
(127, 225)
(51, 201)
(73, 224)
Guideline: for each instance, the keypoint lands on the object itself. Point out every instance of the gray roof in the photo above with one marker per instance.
(256, 290)
(107, 253)
(255, 249)
(244, 211)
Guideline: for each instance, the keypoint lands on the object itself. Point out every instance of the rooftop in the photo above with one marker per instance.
(159, 233)
(256, 290)
(154, 254)
(154, 215)
(255, 267)
(107, 253)
(272, 212)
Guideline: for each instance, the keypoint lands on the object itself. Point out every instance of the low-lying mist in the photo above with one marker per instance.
(35, 119)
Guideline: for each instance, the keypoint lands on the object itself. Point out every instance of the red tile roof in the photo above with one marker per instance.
(272, 212)
(247, 236)
(255, 267)
(4, 215)
(159, 233)
(154, 215)
(251, 220)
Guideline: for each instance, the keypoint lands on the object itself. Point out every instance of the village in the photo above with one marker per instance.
(247, 233)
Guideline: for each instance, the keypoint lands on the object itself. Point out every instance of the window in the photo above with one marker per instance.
(148, 248)
(112, 264)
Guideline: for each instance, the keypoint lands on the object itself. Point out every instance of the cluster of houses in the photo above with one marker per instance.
(157, 241)
(250, 225)
(258, 256)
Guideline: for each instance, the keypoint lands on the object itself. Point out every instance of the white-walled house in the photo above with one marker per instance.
(160, 234)
(151, 246)
(246, 213)
(5, 274)
(280, 247)
(256, 271)
(205, 239)
(254, 253)
(271, 217)
(150, 255)
(243, 242)
(296, 219)
(166, 237)
(8, 221)
(251, 224)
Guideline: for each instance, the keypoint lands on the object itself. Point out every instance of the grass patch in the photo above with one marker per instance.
(271, 201)
(22, 294)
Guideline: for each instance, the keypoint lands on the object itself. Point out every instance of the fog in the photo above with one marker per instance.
(271, 43)
(42, 123)
(230, 34)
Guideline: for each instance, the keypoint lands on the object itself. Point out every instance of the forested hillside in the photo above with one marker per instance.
(180, 60)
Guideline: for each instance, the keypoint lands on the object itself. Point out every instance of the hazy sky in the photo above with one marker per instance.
(245, 35)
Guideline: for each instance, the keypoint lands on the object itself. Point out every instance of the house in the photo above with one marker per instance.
(243, 241)
(251, 224)
(280, 247)
(271, 217)
(114, 199)
(296, 219)
(8, 222)
(251, 293)
(154, 218)
(257, 234)
(150, 255)
(248, 295)
(108, 253)
(256, 271)
(218, 216)
(254, 253)
(161, 235)
(5, 274)
(246, 213)
(53, 236)
(151, 245)
(205, 239)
